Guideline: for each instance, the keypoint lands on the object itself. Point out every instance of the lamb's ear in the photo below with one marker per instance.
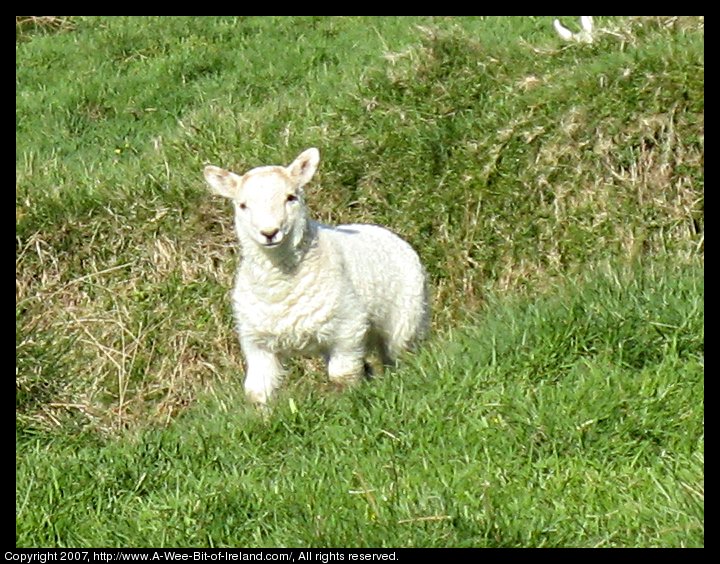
(221, 181)
(302, 169)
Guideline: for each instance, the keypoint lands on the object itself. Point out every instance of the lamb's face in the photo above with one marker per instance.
(269, 207)
(268, 200)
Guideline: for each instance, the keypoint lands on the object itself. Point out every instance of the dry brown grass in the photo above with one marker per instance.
(28, 24)
(141, 357)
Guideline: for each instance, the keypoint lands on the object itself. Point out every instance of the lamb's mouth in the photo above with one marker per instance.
(272, 244)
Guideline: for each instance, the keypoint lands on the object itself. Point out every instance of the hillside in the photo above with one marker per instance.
(530, 174)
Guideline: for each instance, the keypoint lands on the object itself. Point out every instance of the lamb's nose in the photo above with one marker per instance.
(269, 234)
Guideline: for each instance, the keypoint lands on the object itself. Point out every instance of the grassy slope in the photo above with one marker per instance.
(575, 420)
(509, 161)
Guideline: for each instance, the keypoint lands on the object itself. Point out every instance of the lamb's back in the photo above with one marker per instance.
(384, 269)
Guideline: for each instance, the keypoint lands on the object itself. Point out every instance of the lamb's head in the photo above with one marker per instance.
(269, 201)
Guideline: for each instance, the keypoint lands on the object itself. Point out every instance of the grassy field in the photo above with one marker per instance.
(554, 192)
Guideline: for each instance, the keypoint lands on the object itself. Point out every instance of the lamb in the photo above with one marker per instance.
(307, 288)
(586, 35)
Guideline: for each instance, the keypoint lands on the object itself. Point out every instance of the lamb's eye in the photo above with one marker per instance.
(291, 198)
(242, 205)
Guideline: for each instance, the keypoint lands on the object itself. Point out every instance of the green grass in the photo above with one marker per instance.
(574, 420)
(554, 405)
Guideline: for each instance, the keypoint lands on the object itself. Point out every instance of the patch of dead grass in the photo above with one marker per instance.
(27, 24)
(143, 357)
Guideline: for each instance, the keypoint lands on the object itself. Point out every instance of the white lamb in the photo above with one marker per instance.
(303, 287)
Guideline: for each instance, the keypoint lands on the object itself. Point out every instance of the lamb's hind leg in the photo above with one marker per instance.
(380, 344)
(391, 348)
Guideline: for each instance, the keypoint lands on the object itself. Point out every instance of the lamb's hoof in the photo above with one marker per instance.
(262, 408)
(342, 383)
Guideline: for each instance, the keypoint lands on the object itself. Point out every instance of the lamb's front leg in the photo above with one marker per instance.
(346, 366)
(346, 355)
(263, 373)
